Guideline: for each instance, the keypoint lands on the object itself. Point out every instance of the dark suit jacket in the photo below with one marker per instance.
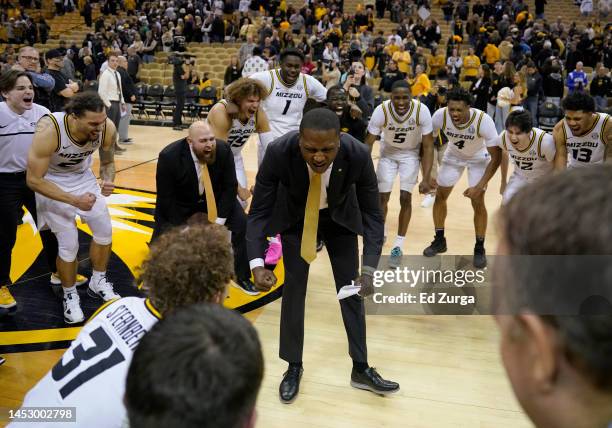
(282, 185)
(178, 195)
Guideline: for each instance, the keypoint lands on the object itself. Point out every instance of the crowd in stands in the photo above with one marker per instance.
(492, 45)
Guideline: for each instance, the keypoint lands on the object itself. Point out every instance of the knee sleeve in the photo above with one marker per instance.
(101, 229)
(68, 244)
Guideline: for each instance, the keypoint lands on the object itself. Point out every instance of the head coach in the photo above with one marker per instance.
(318, 181)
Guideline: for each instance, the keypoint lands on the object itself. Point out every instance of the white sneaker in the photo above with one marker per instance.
(72, 309)
(428, 200)
(80, 279)
(103, 289)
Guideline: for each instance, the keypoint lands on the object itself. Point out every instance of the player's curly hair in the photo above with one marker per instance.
(188, 265)
(243, 88)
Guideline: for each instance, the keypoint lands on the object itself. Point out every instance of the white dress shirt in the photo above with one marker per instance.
(259, 262)
(109, 87)
(198, 168)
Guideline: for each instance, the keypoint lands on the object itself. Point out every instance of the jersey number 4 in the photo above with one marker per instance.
(460, 144)
(102, 343)
(582, 154)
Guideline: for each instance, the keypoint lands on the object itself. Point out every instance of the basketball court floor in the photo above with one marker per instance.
(448, 367)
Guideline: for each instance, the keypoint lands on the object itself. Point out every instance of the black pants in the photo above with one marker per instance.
(236, 223)
(14, 193)
(114, 113)
(343, 251)
(179, 92)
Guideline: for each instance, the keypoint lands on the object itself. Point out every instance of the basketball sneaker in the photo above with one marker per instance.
(6, 298)
(480, 257)
(395, 258)
(80, 279)
(438, 245)
(102, 289)
(274, 252)
(246, 286)
(72, 309)
(428, 200)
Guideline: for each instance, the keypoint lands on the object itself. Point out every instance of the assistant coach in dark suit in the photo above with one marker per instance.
(185, 169)
(318, 181)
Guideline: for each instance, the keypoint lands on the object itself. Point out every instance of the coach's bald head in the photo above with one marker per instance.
(202, 141)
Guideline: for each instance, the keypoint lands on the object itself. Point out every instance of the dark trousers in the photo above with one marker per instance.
(343, 250)
(114, 113)
(14, 193)
(236, 223)
(179, 92)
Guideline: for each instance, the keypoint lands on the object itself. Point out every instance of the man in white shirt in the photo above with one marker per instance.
(109, 89)
(255, 63)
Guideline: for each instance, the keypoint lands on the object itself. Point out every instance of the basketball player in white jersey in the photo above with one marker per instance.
(18, 117)
(404, 123)
(532, 151)
(583, 137)
(91, 374)
(288, 91)
(236, 128)
(470, 131)
(59, 171)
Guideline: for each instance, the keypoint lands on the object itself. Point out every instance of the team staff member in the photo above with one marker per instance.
(196, 174)
(18, 117)
(299, 194)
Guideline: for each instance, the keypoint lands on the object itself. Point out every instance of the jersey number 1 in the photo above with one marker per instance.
(287, 106)
(102, 343)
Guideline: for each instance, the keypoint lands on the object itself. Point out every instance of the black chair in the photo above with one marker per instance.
(192, 105)
(141, 93)
(153, 99)
(168, 101)
(208, 93)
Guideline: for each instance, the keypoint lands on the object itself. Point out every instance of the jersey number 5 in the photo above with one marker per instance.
(399, 138)
(102, 343)
(582, 154)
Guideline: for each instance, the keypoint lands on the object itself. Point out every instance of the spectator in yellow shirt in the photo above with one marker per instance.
(320, 11)
(491, 54)
(436, 62)
(402, 58)
(470, 66)
(420, 85)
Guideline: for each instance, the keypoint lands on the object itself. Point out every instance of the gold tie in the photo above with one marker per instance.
(311, 220)
(211, 206)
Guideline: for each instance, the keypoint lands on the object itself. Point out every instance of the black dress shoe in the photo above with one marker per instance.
(480, 257)
(290, 385)
(370, 380)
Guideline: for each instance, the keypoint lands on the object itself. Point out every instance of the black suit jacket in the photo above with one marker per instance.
(282, 185)
(178, 195)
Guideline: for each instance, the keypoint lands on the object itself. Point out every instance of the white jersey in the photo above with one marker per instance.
(240, 132)
(70, 164)
(401, 135)
(16, 135)
(470, 140)
(92, 372)
(284, 105)
(536, 159)
(589, 148)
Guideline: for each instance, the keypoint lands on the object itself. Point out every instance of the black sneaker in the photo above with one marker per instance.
(480, 257)
(438, 245)
(320, 245)
(246, 286)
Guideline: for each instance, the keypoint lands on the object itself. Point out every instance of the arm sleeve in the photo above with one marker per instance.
(230, 186)
(436, 120)
(548, 148)
(315, 89)
(42, 80)
(425, 121)
(487, 130)
(496, 142)
(377, 121)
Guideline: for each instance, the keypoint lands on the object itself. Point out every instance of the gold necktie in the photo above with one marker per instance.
(211, 206)
(311, 220)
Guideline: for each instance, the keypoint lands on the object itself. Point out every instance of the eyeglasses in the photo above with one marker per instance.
(30, 58)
